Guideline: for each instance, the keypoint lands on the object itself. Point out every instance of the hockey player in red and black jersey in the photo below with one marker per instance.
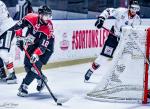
(40, 41)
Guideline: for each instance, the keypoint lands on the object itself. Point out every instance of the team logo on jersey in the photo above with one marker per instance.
(64, 44)
(37, 26)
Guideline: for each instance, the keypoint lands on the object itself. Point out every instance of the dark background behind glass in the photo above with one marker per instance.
(87, 8)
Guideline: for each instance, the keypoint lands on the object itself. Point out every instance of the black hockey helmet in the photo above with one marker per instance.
(44, 10)
(133, 2)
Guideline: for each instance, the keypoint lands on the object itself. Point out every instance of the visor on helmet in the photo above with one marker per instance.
(135, 8)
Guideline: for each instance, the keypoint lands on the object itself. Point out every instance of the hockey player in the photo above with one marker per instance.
(40, 48)
(6, 22)
(23, 8)
(123, 17)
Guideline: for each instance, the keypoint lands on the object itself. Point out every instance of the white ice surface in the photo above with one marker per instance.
(65, 82)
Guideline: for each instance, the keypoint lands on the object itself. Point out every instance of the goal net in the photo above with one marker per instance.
(127, 80)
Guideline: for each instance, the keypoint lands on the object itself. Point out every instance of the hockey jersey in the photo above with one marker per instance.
(5, 20)
(40, 35)
(122, 18)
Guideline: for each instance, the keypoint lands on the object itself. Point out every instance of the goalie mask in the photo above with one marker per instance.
(45, 13)
(134, 7)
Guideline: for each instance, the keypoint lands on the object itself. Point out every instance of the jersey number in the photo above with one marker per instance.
(45, 43)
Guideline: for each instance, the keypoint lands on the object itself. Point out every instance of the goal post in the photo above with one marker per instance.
(147, 64)
(127, 80)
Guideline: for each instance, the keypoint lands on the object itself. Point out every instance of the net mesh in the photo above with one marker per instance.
(124, 82)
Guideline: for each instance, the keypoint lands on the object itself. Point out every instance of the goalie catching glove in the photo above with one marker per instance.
(100, 21)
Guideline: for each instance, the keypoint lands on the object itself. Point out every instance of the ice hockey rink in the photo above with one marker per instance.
(65, 83)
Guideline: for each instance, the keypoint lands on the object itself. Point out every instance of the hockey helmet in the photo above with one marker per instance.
(45, 11)
(134, 5)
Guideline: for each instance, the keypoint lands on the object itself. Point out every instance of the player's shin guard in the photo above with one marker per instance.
(11, 78)
(88, 74)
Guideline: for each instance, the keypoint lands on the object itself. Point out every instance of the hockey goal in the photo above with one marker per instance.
(127, 80)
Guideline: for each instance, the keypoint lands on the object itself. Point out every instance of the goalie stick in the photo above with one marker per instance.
(58, 101)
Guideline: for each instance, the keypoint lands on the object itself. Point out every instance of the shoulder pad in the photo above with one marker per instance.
(32, 18)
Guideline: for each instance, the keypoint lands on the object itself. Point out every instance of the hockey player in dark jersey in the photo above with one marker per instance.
(40, 45)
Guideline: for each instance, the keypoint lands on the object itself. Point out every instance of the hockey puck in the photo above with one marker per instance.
(59, 104)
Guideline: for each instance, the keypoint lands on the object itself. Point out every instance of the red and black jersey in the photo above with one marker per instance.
(46, 29)
(40, 33)
(32, 22)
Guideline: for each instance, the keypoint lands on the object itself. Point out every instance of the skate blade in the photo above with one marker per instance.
(22, 94)
(12, 81)
(90, 82)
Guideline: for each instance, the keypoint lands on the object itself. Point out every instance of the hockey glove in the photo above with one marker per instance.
(34, 58)
(20, 44)
(100, 21)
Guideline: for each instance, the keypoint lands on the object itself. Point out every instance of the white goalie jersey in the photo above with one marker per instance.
(121, 18)
(5, 20)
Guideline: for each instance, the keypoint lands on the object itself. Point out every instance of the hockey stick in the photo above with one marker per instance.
(110, 32)
(107, 30)
(59, 102)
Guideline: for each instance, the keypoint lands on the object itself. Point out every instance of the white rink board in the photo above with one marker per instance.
(72, 40)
